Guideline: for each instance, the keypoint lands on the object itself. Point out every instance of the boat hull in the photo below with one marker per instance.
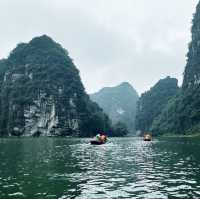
(94, 142)
(147, 140)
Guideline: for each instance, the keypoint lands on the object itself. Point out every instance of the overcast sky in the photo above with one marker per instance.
(110, 41)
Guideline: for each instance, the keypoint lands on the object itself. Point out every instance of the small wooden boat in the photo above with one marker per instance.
(95, 142)
(147, 137)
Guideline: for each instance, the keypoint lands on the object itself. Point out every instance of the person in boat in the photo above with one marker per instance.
(147, 137)
(98, 137)
(101, 137)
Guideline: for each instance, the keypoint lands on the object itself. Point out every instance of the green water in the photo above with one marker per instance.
(124, 168)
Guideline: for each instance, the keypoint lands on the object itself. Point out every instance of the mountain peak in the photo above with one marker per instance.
(122, 86)
(42, 38)
(119, 103)
(43, 42)
(43, 48)
(125, 85)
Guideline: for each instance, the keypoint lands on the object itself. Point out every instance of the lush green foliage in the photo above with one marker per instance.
(152, 103)
(43, 68)
(167, 120)
(119, 130)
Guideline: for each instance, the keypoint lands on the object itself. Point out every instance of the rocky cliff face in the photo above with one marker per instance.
(189, 116)
(42, 94)
(119, 103)
(192, 69)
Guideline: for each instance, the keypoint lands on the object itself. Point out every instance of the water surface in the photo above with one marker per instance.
(124, 168)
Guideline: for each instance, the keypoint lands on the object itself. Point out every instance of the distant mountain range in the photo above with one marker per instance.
(119, 103)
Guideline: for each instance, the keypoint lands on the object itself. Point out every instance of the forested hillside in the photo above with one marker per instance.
(119, 103)
(42, 94)
(152, 102)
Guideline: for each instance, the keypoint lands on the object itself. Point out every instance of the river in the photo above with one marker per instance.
(59, 168)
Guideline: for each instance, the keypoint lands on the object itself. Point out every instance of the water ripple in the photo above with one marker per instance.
(123, 168)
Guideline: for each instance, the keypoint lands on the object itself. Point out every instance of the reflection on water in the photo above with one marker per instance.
(123, 168)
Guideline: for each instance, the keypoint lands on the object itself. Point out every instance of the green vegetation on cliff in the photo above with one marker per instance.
(42, 93)
(182, 113)
(152, 102)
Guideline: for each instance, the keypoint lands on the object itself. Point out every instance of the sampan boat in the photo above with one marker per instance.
(147, 137)
(95, 142)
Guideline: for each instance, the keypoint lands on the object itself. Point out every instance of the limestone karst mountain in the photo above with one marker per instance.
(119, 103)
(152, 102)
(182, 114)
(42, 93)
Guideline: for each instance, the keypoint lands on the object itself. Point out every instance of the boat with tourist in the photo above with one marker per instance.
(99, 139)
(147, 137)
